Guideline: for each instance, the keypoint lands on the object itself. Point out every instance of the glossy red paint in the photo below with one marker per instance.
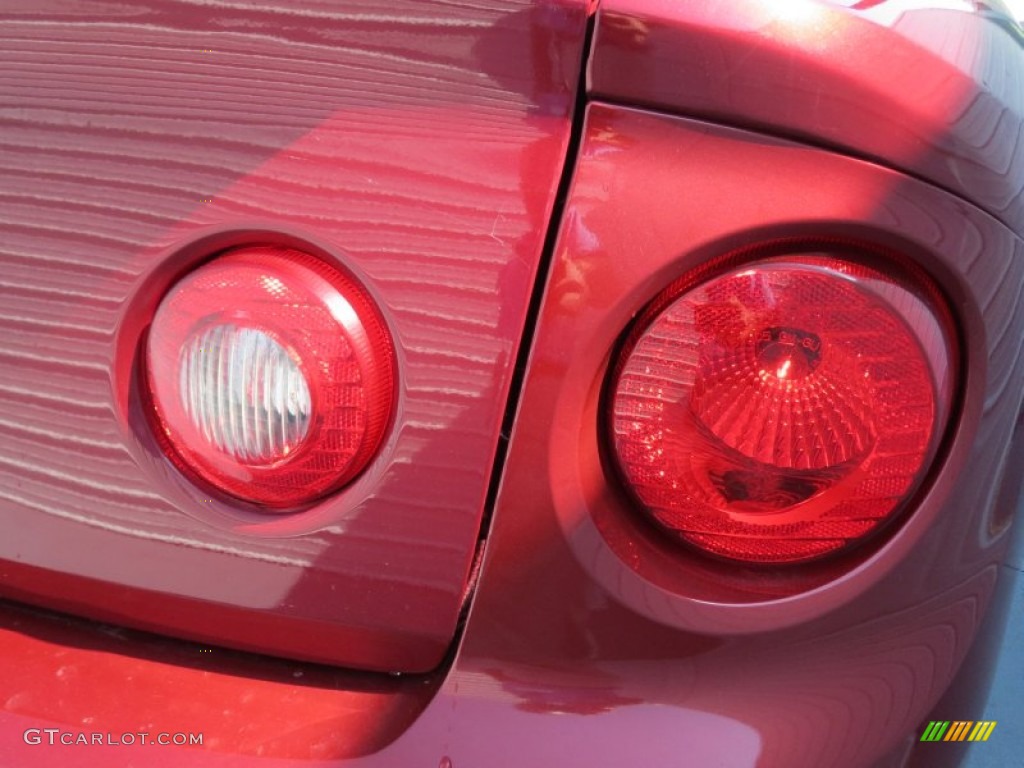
(588, 636)
(576, 593)
(418, 147)
(590, 640)
(935, 92)
(71, 674)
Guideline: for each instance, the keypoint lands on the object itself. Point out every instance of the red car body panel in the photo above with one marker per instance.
(421, 147)
(933, 91)
(837, 673)
(589, 640)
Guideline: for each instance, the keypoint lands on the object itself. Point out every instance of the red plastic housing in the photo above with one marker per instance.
(783, 410)
(271, 375)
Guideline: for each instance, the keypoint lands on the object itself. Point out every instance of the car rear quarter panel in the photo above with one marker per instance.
(584, 645)
(934, 91)
(578, 595)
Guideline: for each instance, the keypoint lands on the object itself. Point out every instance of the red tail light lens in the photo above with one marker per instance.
(784, 410)
(271, 375)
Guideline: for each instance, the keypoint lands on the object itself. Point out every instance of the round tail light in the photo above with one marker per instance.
(271, 375)
(784, 410)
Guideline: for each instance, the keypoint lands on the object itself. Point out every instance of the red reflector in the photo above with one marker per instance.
(271, 375)
(784, 410)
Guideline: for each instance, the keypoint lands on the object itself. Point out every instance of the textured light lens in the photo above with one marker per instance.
(784, 410)
(271, 375)
(245, 393)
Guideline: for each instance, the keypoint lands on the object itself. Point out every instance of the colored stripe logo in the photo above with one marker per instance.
(958, 730)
